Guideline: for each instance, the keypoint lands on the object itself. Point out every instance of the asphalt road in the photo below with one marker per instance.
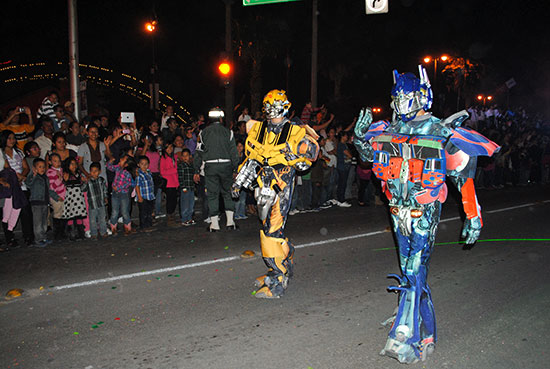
(181, 298)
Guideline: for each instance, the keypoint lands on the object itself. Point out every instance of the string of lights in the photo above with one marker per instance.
(24, 73)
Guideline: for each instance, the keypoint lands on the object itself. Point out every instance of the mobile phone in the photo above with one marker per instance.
(127, 117)
(126, 131)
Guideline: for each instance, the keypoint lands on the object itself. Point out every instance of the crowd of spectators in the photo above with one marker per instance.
(82, 179)
(524, 157)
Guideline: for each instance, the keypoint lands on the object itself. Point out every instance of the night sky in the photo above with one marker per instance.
(509, 38)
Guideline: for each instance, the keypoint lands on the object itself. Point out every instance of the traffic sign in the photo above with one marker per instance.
(376, 6)
(261, 2)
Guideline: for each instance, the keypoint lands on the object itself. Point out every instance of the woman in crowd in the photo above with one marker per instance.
(59, 146)
(15, 159)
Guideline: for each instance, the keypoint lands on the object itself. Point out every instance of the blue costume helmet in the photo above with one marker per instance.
(410, 94)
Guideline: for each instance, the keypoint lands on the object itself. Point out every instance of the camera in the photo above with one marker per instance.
(21, 110)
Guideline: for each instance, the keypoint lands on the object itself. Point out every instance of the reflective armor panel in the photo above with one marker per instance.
(416, 159)
(269, 148)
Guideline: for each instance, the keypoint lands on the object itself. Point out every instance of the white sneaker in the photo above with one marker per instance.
(344, 204)
(207, 220)
(293, 211)
(334, 202)
(88, 234)
(109, 232)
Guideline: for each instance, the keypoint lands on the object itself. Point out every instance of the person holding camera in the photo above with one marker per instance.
(14, 122)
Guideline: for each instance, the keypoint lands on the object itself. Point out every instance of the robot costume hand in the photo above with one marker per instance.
(471, 230)
(235, 191)
(361, 128)
(363, 122)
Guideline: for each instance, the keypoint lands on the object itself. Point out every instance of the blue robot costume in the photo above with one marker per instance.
(412, 156)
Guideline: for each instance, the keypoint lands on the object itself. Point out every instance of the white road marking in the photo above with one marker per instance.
(232, 258)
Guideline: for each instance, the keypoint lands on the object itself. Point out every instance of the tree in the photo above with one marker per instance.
(461, 76)
(256, 39)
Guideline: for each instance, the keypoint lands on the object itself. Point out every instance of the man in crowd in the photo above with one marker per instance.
(218, 151)
(48, 104)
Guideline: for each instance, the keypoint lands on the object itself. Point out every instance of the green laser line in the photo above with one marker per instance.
(488, 240)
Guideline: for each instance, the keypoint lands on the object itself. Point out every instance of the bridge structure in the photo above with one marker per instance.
(96, 75)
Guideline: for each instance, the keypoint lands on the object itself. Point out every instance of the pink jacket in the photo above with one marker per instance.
(169, 170)
(56, 181)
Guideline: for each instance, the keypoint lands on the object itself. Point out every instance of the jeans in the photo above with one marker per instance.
(146, 213)
(304, 195)
(342, 182)
(158, 202)
(121, 206)
(40, 221)
(97, 220)
(330, 177)
(240, 205)
(187, 204)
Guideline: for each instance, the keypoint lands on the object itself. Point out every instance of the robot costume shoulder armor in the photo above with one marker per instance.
(281, 144)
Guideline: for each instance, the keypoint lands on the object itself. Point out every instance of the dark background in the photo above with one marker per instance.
(507, 38)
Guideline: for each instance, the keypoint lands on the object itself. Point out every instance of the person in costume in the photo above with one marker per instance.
(412, 156)
(275, 149)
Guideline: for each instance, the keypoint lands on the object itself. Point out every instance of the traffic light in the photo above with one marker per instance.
(226, 71)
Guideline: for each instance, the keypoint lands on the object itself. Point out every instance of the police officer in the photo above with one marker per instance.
(218, 151)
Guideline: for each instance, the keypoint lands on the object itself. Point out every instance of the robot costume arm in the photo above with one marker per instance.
(462, 150)
(306, 151)
(364, 131)
(246, 176)
(462, 178)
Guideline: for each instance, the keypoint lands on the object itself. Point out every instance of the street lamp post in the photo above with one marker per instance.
(151, 28)
(442, 58)
(484, 98)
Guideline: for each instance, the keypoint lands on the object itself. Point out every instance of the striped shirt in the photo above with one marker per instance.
(55, 175)
(46, 109)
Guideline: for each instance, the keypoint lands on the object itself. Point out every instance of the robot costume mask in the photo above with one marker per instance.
(276, 104)
(410, 94)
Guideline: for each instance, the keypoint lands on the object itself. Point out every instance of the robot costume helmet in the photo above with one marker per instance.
(410, 94)
(215, 115)
(276, 104)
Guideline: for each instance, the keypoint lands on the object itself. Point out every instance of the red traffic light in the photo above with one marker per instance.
(151, 26)
(224, 68)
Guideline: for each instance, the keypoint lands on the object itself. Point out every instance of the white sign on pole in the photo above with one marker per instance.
(510, 83)
(376, 6)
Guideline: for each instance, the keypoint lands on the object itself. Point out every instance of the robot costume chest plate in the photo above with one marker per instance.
(410, 160)
(268, 147)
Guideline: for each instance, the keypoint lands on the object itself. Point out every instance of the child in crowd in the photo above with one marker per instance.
(41, 192)
(55, 176)
(187, 187)
(169, 171)
(96, 188)
(74, 206)
(32, 151)
(123, 184)
(145, 192)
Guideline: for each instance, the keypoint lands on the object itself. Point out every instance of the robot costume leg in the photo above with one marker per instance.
(413, 333)
(277, 251)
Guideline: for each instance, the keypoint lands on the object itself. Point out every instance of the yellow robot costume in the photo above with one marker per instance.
(275, 149)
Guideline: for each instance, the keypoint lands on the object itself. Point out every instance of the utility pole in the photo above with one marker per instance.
(229, 88)
(314, 35)
(73, 57)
